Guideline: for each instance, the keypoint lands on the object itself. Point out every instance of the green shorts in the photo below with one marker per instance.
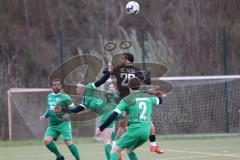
(64, 129)
(133, 139)
(105, 108)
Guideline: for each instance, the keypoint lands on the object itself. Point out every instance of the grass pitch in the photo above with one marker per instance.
(196, 147)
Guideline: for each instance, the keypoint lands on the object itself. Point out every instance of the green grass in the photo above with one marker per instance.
(194, 147)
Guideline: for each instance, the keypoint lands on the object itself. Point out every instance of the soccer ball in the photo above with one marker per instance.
(132, 8)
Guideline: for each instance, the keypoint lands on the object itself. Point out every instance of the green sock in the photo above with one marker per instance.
(74, 150)
(107, 149)
(114, 156)
(53, 148)
(132, 156)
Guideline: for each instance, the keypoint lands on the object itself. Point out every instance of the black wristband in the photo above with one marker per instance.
(160, 99)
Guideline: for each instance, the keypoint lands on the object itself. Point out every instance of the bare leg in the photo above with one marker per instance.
(152, 138)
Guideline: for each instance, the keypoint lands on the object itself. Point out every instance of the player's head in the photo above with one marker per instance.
(126, 58)
(111, 87)
(134, 83)
(80, 88)
(56, 86)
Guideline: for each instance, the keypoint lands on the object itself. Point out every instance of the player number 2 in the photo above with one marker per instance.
(126, 77)
(143, 107)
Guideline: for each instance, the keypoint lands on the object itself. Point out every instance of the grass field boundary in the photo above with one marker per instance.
(92, 140)
(89, 148)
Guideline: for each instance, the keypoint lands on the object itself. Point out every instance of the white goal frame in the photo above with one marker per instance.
(11, 91)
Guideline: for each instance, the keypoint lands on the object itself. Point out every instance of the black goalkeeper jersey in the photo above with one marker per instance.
(123, 73)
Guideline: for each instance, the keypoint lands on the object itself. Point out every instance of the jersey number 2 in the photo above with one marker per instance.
(143, 107)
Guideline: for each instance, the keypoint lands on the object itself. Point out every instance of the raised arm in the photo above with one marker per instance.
(103, 79)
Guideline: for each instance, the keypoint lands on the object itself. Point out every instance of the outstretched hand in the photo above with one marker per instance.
(42, 117)
(110, 67)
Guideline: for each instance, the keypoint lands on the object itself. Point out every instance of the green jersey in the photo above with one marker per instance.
(93, 102)
(138, 107)
(112, 97)
(61, 99)
(90, 98)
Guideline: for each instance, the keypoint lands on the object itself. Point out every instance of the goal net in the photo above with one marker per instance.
(209, 104)
(26, 105)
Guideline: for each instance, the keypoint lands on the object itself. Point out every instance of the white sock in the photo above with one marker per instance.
(153, 144)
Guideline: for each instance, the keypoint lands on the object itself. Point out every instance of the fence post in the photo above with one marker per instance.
(143, 49)
(225, 54)
(9, 115)
(61, 54)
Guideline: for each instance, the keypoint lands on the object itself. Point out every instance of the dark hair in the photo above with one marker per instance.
(56, 80)
(129, 56)
(134, 83)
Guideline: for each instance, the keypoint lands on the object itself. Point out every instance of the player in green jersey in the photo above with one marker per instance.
(138, 107)
(108, 135)
(58, 126)
(102, 106)
(92, 100)
(112, 96)
(123, 72)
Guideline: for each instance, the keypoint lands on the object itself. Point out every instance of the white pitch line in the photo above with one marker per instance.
(189, 157)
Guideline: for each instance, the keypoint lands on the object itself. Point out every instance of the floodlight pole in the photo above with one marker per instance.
(61, 52)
